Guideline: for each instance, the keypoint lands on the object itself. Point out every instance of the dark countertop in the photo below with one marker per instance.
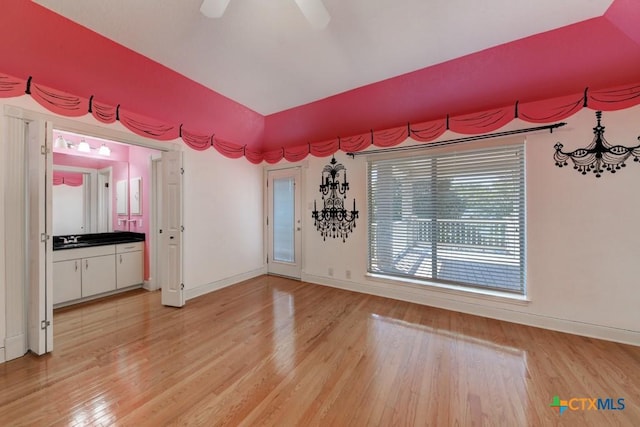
(96, 239)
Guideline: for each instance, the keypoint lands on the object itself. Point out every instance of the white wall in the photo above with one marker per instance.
(223, 221)
(582, 240)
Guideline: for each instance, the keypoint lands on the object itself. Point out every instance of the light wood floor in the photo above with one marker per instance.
(272, 351)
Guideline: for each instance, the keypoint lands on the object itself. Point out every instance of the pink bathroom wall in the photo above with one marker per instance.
(119, 173)
(140, 167)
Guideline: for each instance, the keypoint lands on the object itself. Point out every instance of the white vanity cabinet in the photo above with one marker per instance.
(67, 280)
(129, 264)
(98, 275)
(84, 272)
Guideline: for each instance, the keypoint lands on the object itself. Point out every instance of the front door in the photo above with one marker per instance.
(284, 223)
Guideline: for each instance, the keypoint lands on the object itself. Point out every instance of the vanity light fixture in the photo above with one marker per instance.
(84, 147)
(60, 142)
(104, 150)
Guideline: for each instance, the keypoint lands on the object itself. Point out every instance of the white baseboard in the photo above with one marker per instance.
(223, 283)
(15, 347)
(148, 285)
(515, 316)
(2, 356)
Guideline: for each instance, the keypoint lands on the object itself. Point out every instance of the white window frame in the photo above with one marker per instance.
(518, 291)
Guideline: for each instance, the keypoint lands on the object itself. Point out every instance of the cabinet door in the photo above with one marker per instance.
(129, 268)
(66, 281)
(98, 275)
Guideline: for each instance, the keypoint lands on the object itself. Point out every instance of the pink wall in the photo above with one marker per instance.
(119, 173)
(66, 56)
(140, 166)
(59, 53)
(518, 71)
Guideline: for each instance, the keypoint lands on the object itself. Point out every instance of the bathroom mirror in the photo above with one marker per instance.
(122, 197)
(70, 200)
(135, 196)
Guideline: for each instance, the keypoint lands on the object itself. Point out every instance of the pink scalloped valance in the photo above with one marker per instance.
(547, 111)
(72, 179)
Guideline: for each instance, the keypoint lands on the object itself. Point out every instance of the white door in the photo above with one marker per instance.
(171, 242)
(284, 223)
(40, 289)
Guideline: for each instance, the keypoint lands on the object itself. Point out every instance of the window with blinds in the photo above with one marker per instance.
(455, 218)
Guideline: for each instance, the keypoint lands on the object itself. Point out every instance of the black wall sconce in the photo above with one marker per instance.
(334, 220)
(597, 156)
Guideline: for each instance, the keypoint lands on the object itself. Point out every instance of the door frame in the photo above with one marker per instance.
(105, 176)
(155, 275)
(83, 125)
(289, 169)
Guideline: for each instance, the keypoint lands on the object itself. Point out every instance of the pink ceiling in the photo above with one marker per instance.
(598, 53)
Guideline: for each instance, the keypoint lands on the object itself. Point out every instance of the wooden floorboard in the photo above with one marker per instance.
(278, 352)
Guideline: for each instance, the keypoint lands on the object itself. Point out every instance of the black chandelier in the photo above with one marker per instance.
(334, 220)
(598, 156)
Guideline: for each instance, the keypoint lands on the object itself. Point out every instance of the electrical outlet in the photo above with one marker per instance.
(330, 271)
(348, 274)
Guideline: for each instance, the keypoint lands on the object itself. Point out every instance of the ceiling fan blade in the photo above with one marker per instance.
(213, 8)
(315, 12)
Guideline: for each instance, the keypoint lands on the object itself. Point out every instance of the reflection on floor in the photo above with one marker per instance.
(273, 351)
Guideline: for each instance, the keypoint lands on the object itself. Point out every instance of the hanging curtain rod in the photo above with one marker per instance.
(457, 140)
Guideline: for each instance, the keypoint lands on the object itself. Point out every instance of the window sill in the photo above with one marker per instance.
(462, 291)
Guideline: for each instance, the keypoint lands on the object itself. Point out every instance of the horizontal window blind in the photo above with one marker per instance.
(454, 218)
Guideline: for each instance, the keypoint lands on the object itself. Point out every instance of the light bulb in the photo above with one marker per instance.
(60, 142)
(84, 147)
(104, 150)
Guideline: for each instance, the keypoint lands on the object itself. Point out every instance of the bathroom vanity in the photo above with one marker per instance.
(87, 266)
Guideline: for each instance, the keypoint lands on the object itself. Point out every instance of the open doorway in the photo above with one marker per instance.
(103, 221)
(28, 160)
(102, 212)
